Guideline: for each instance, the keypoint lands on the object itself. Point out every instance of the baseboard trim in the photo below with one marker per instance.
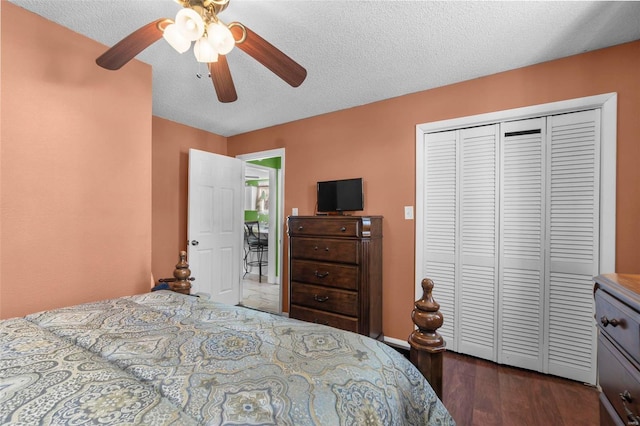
(391, 341)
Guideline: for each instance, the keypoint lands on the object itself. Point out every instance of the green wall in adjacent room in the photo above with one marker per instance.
(273, 163)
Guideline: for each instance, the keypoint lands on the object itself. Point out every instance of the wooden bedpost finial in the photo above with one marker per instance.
(427, 317)
(426, 344)
(181, 274)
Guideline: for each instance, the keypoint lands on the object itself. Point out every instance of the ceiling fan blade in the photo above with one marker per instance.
(222, 81)
(268, 55)
(127, 48)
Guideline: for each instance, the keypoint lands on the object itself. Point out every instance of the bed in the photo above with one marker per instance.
(172, 358)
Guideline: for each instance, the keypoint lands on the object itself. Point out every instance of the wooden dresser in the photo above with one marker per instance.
(618, 317)
(335, 271)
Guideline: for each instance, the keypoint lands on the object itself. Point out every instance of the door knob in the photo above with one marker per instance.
(194, 242)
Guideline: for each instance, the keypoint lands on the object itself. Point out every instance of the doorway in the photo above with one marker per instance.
(264, 203)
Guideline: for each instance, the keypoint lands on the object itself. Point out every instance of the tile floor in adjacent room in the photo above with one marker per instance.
(262, 296)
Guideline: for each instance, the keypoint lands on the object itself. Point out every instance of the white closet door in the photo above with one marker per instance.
(522, 219)
(439, 221)
(478, 241)
(573, 174)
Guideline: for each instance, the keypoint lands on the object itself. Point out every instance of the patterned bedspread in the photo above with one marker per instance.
(166, 358)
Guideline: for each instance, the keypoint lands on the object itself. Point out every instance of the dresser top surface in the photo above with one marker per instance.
(625, 287)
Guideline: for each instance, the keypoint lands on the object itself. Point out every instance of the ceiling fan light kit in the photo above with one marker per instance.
(198, 22)
(172, 35)
(204, 51)
(211, 36)
(190, 24)
(220, 37)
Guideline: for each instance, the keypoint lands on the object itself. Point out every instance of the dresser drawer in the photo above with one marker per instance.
(332, 227)
(619, 322)
(324, 298)
(326, 318)
(329, 274)
(618, 376)
(344, 251)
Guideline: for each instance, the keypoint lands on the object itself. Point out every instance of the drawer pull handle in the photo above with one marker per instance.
(321, 275)
(320, 298)
(300, 228)
(316, 248)
(633, 419)
(606, 321)
(343, 229)
(317, 321)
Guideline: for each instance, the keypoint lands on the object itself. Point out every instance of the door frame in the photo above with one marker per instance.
(279, 220)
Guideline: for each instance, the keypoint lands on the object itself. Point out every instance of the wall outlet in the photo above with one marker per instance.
(408, 212)
(294, 211)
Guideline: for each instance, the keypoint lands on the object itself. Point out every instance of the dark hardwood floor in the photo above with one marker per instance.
(481, 393)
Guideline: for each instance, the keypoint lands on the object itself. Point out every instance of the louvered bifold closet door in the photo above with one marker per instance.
(573, 174)
(439, 221)
(477, 314)
(522, 218)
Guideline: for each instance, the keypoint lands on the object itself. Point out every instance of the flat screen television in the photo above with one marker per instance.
(340, 195)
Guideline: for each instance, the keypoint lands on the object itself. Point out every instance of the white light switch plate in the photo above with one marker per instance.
(408, 212)
(294, 211)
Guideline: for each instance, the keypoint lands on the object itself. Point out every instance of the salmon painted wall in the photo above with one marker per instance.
(377, 142)
(75, 198)
(78, 144)
(171, 144)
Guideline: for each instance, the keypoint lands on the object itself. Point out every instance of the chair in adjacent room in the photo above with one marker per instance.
(256, 247)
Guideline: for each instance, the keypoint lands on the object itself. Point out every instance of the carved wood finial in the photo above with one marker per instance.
(427, 346)
(181, 274)
(427, 317)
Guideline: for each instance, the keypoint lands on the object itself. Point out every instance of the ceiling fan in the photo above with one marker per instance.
(198, 22)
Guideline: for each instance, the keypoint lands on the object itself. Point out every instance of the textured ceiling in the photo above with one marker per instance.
(355, 52)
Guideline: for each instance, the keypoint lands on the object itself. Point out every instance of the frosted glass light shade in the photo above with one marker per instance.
(220, 37)
(190, 24)
(204, 51)
(175, 38)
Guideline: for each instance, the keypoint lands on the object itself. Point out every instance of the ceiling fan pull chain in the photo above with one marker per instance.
(199, 70)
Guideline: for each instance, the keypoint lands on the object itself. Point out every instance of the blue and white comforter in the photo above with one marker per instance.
(166, 358)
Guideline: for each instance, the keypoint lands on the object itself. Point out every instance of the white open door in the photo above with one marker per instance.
(214, 228)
